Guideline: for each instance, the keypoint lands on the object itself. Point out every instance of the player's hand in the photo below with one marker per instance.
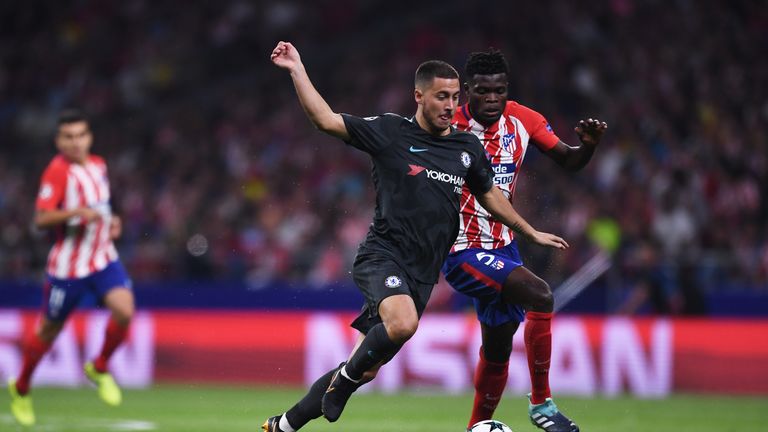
(87, 214)
(590, 131)
(285, 56)
(115, 227)
(549, 240)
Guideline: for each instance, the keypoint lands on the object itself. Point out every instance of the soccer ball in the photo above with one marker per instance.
(489, 426)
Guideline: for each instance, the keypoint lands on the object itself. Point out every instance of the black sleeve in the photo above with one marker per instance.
(371, 134)
(480, 174)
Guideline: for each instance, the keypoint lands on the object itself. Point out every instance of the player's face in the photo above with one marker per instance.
(74, 141)
(487, 96)
(438, 103)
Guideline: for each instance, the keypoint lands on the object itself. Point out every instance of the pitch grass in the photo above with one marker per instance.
(212, 409)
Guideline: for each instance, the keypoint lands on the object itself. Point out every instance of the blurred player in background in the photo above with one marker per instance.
(74, 201)
(485, 264)
(419, 167)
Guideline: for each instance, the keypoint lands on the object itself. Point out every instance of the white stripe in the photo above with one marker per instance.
(71, 202)
(106, 252)
(89, 188)
(101, 258)
(88, 243)
(98, 173)
(547, 424)
(71, 194)
(62, 265)
(50, 266)
(90, 238)
(111, 253)
(503, 130)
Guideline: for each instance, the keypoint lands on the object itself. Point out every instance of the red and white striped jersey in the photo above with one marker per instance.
(81, 248)
(505, 142)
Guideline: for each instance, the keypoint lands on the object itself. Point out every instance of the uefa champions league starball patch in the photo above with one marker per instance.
(392, 282)
(46, 191)
(465, 159)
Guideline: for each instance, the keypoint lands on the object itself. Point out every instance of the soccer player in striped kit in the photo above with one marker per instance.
(484, 262)
(74, 202)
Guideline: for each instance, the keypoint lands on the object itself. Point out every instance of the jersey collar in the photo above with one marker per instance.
(413, 121)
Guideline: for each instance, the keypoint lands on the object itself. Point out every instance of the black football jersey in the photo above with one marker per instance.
(418, 178)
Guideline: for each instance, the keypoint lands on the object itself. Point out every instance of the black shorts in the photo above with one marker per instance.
(379, 277)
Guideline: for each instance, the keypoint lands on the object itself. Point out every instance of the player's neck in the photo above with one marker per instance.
(76, 161)
(482, 123)
(424, 124)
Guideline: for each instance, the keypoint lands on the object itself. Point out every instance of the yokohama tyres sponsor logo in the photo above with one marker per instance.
(436, 175)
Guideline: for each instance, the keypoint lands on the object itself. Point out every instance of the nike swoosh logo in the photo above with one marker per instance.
(540, 362)
(416, 150)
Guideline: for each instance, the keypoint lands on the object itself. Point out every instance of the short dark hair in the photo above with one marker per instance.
(431, 69)
(489, 62)
(71, 115)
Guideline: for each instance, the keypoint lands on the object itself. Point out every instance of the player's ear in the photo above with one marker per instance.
(418, 95)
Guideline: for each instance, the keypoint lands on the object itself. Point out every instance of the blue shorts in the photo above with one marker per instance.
(61, 296)
(480, 274)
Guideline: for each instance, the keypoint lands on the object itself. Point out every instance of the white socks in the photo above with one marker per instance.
(344, 373)
(284, 425)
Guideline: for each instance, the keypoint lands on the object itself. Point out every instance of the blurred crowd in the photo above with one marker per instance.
(218, 174)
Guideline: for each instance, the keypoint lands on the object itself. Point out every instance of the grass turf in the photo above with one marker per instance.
(210, 409)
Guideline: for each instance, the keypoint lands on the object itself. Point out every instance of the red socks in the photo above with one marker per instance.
(491, 378)
(34, 350)
(538, 348)
(114, 336)
(490, 381)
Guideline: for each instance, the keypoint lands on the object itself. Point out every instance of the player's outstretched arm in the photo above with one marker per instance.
(320, 114)
(49, 218)
(500, 208)
(575, 158)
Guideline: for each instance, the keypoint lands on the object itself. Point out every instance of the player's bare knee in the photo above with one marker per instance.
(120, 303)
(400, 330)
(542, 299)
(123, 318)
(123, 315)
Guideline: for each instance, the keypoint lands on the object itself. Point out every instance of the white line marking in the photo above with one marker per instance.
(53, 424)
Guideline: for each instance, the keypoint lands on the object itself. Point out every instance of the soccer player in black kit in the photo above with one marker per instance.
(419, 167)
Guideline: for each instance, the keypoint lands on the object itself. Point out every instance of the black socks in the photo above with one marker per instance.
(309, 407)
(376, 346)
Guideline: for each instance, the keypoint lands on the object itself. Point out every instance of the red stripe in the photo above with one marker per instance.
(75, 254)
(493, 147)
(496, 227)
(96, 187)
(97, 240)
(477, 274)
(54, 254)
(61, 233)
(468, 212)
(79, 235)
